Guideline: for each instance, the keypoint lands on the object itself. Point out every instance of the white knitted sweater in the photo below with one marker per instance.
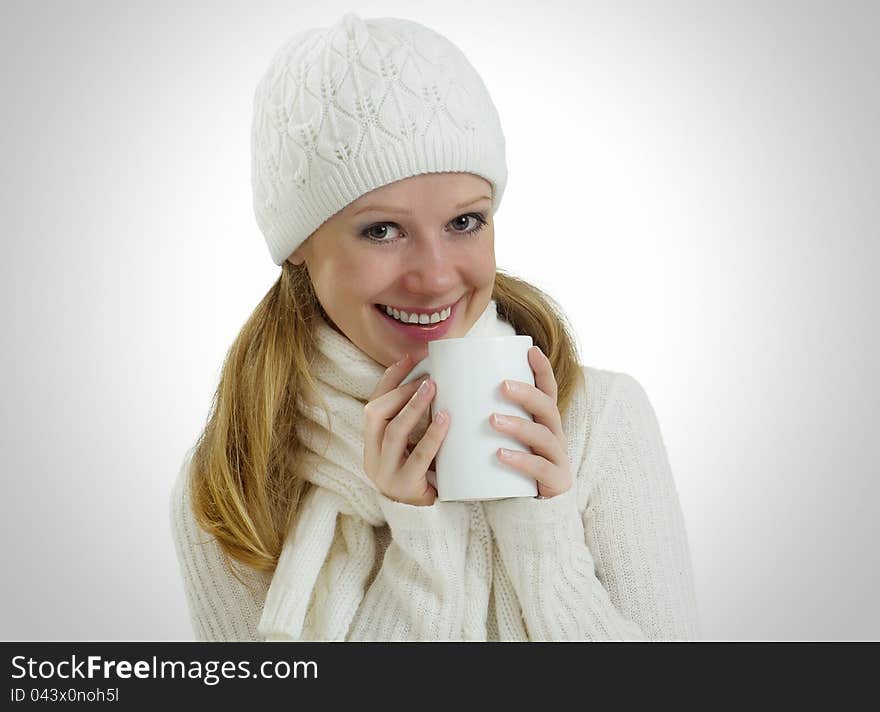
(607, 560)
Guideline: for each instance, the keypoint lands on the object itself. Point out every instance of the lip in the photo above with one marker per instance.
(421, 333)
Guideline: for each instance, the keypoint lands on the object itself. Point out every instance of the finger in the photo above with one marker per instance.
(534, 436)
(392, 377)
(432, 468)
(551, 480)
(537, 403)
(386, 406)
(543, 370)
(396, 436)
(377, 413)
(423, 454)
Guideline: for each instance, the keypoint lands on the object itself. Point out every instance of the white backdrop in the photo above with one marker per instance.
(695, 183)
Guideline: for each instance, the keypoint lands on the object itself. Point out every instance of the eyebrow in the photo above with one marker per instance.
(380, 209)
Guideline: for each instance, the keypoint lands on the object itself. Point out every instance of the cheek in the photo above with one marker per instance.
(337, 279)
(481, 263)
(361, 275)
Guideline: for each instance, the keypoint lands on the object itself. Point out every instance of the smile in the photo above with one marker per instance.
(414, 318)
(419, 327)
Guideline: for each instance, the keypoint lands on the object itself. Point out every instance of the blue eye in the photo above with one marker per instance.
(478, 218)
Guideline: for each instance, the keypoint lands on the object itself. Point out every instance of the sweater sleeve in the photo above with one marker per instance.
(418, 592)
(221, 608)
(619, 567)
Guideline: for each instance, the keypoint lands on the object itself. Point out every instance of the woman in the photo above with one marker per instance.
(306, 510)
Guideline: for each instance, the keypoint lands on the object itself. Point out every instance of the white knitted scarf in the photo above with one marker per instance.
(330, 552)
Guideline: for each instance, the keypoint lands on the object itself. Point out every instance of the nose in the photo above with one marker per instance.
(429, 266)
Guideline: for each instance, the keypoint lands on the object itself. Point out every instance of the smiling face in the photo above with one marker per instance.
(425, 242)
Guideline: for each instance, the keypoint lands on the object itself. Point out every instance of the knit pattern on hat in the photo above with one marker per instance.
(344, 110)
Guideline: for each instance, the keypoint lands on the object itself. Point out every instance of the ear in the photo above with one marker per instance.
(297, 257)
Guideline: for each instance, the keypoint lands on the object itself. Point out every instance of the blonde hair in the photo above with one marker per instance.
(245, 474)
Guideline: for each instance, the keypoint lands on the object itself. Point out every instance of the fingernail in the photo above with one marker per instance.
(440, 416)
(424, 387)
(396, 364)
(511, 386)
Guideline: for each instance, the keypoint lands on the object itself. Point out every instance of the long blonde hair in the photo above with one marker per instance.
(245, 472)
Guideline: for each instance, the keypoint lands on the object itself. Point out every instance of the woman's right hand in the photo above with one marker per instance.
(389, 416)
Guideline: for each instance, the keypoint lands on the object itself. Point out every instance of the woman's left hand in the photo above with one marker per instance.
(548, 460)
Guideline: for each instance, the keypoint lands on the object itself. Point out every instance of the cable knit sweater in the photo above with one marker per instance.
(607, 560)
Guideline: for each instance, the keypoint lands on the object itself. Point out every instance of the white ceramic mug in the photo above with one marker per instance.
(468, 373)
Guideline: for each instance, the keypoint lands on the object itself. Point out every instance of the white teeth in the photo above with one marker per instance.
(418, 318)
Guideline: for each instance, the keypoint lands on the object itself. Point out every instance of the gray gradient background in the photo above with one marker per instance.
(695, 183)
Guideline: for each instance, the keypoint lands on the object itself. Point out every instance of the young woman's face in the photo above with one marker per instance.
(425, 242)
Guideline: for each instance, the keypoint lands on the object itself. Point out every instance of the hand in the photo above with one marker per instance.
(548, 460)
(399, 474)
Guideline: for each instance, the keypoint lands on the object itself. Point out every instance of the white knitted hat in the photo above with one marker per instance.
(344, 110)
